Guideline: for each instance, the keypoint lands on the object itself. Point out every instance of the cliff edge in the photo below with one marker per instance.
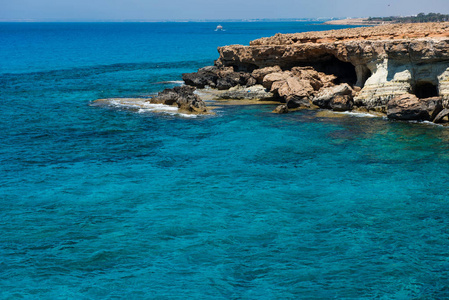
(384, 61)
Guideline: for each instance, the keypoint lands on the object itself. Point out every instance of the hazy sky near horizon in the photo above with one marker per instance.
(98, 10)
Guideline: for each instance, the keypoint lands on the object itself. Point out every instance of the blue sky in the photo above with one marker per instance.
(91, 10)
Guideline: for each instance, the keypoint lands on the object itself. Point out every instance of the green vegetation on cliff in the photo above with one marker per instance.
(420, 18)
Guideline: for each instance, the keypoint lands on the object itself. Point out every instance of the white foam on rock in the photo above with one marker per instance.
(142, 106)
(177, 82)
(426, 123)
(358, 114)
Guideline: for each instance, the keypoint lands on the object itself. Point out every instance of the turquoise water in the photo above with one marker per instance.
(107, 203)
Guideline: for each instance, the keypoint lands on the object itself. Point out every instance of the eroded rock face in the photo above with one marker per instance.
(410, 107)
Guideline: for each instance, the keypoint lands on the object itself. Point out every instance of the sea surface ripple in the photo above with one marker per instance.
(101, 203)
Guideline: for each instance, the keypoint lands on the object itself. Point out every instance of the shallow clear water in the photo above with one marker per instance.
(110, 203)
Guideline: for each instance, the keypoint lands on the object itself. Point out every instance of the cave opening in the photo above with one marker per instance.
(244, 67)
(344, 71)
(425, 89)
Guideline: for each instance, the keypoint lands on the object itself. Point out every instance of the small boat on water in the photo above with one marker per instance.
(219, 28)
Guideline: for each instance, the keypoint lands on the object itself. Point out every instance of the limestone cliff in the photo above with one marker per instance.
(384, 61)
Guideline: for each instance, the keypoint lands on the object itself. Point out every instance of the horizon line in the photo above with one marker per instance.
(53, 20)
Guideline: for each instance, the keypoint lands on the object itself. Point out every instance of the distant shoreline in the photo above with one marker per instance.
(355, 21)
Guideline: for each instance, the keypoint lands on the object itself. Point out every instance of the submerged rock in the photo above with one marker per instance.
(281, 109)
(298, 102)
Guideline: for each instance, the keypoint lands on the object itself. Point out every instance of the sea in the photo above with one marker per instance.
(114, 202)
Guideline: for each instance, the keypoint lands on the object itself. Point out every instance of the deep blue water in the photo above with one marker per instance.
(103, 203)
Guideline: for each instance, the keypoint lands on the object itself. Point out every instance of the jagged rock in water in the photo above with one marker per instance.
(298, 102)
(184, 98)
(167, 97)
(192, 103)
(206, 76)
(410, 107)
(281, 109)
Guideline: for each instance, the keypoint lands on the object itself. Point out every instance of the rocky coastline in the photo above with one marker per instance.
(400, 70)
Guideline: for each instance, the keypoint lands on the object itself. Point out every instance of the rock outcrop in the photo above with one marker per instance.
(281, 109)
(206, 76)
(439, 118)
(409, 107)
(183, 97)
(251, 93)
(338, 97)
(221, 78)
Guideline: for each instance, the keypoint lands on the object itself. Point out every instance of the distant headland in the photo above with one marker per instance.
(419, 18)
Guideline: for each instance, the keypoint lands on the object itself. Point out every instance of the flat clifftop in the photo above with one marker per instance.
(383, 32)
